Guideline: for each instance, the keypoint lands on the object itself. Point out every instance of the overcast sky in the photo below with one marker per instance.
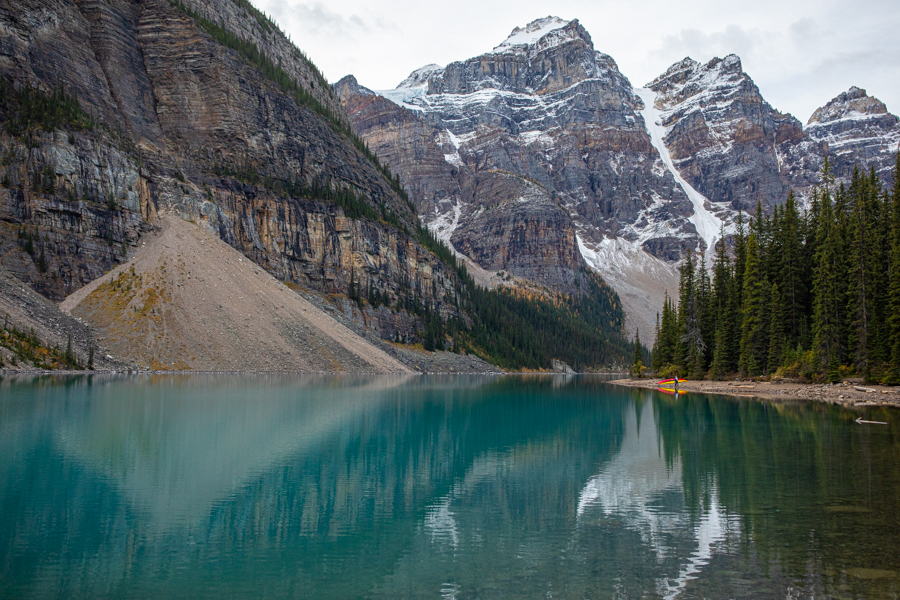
(800, 53)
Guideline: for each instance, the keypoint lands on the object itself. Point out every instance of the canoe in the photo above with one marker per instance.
(669, 381)
(671, 391)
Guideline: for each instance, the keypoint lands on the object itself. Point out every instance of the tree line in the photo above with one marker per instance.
(812, 294)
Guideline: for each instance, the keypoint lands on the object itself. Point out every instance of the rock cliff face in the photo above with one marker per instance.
(187, 125)
(631, 178)
(724, 138)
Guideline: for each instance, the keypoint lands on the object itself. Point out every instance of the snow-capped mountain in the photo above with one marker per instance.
(539, 159)
(724, 138)
(857, 128)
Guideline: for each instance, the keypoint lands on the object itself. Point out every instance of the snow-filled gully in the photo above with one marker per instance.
(708, 225)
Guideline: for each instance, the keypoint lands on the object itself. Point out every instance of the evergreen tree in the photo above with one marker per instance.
(893, 288)
(637, 365)
(722, 288)
(655, 356)
(707, 313)
(790, 271)
(668, 334)
(737, 289)
(752, 327)
(864, 273)
(810, 224)
(691, 349)
(776, 331)
(828, 308)
(685, 312)
(720, 364)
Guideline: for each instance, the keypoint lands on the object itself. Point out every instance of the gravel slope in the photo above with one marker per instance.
(187, 300)
(25, 309)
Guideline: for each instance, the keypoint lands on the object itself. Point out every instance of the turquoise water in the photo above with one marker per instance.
(437, 487)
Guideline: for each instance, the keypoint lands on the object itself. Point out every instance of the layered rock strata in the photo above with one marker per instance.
(187, 125)
(856, 129)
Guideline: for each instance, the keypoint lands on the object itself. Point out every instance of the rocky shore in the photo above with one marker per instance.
(846, 393)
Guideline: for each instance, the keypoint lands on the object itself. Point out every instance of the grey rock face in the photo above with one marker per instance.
(190, 127)
(855, 128)
(724, 138)
(544, 107)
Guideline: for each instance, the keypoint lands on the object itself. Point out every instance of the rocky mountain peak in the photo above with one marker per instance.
(349, 86)
(542, 34)
(419, 77)
(856, 127)
(545, 56)
(677, 74)
(688, 78)
(854, 103)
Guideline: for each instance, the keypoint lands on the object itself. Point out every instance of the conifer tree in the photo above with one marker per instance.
(752, 327)
(654, 358)
(790, 271)
(828, 308)
(864, 273)
(691, 349)
(893, 289)
(737, 288)
(721, 271)
(720, 364)
(882, 255)
(686, 312)
(706, 307)
(637, 365)
(668, 334)
(722, 292)
(810, 235)
(776, 331)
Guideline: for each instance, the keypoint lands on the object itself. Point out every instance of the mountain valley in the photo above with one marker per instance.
(538, 166)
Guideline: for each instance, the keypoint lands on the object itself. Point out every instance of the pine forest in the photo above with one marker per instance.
(809, 294)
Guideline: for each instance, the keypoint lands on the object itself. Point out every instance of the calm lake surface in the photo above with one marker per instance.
(430, 487)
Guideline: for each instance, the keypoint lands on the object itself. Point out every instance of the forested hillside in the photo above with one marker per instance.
(813, 294)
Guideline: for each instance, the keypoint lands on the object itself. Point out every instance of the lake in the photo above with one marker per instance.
(212, 486)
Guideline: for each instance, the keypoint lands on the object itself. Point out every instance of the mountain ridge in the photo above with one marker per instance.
(731, 150)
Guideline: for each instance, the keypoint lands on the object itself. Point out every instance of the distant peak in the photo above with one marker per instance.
(855, 92)
(731, 64)
(532, 33)
(349, 86)
(419, 77)
(853, 103)
(677, 73)
(716, 71)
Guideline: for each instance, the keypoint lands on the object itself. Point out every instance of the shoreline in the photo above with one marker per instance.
(844, 394)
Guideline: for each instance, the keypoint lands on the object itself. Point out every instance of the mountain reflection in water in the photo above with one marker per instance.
(408, 487)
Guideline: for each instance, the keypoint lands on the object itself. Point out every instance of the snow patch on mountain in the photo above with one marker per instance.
(445, 224)
(403, 96)
(419, 77)
(518, 112)
(640, 280)
(708, 225)
(531, 33)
